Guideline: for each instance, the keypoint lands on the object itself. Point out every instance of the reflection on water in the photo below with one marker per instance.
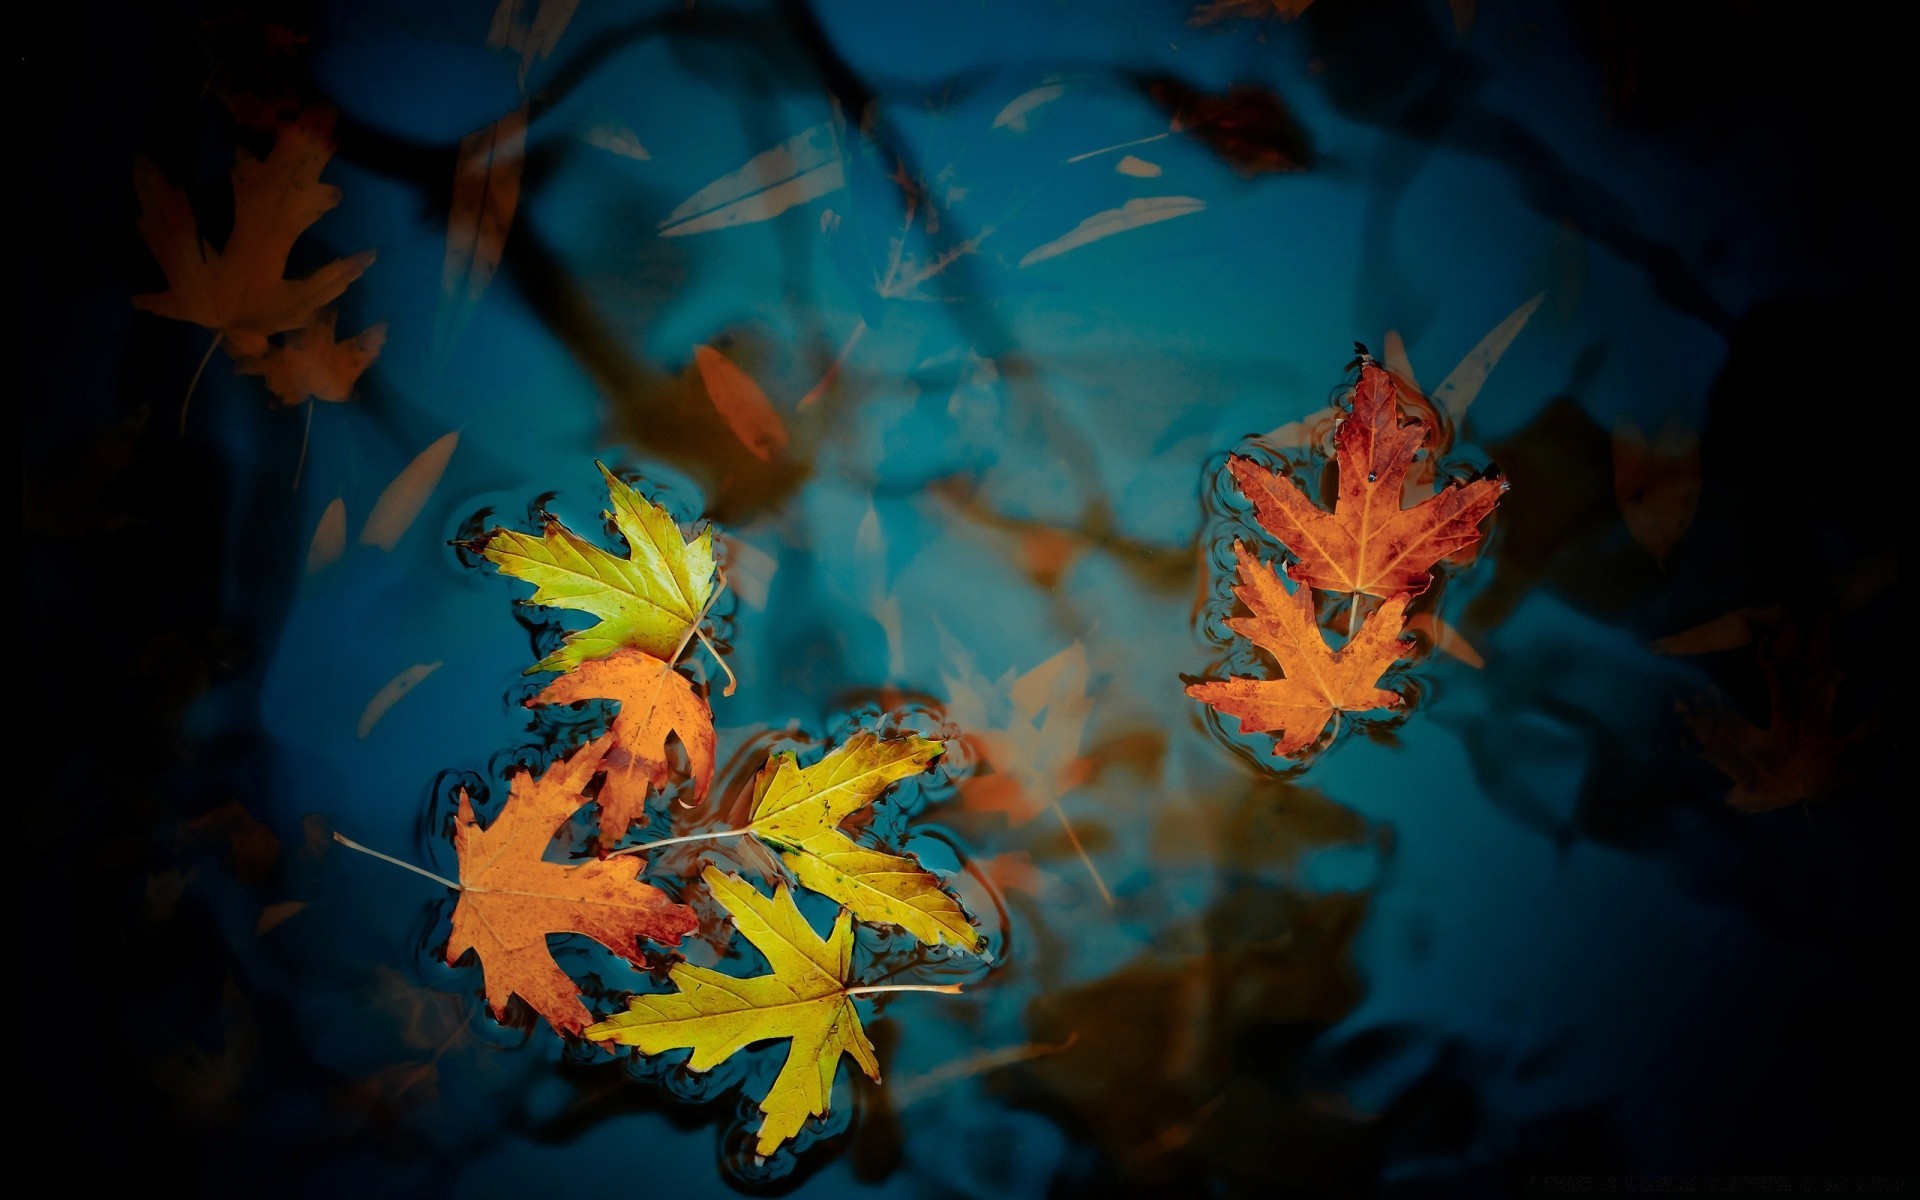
(1014, 282)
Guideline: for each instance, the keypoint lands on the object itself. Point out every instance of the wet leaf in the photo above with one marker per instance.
(804, 997)
(511, 898)
(615, 136)
(401, 501)
(391, 694)
(798, 810)
(742, 404)
(1131, 215)
(1139, 168)
(240, 290)
(1248, 127)
(1462, 385)
(1657, 484)
(252, 849)
(1316, 681)
(648, 600)
(311, 365)
(329, 537)
(1034, 748)
(655, 700)
(530, 28)
(486, 193)
(1368, 543)
(275, 915)
(804, 167)
(1446, 639)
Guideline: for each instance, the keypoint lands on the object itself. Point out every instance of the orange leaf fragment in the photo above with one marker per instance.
(1798, 758)
(1368, 543)
(240, 290)
(1657, 483)
(742, 404)
(511, 898)
(486, 192)
(655, 700)
(1317, 682)
(311, 365)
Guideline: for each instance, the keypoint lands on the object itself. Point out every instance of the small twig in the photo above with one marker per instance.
(1121, 146)
(733, 684)
(1081, 850)
(193, 383)
(647, 847)
(871, 988)
(833, 371)
(305, 436)
(350, 844)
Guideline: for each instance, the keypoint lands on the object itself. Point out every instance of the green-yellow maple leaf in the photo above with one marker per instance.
(648, 600)
(797, 811)
(805, 998)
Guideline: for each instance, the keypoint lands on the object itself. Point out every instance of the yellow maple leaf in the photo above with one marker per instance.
(649, 600)
(798, 810)
(805, 997)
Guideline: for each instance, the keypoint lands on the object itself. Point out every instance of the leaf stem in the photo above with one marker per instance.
(871, 988)
(193, 383)
(1081, 850)
(833, 370)
(305, 436)
(714, 836)
(1120, 146)
(350, 844)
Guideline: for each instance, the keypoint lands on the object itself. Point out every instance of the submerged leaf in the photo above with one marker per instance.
(391, 694)
(1657, 484)
(648, 600)
(329, 537)
(311, 365)
(486, 194)
(1131, 215)
(400, 503)
(804, 167)
(742, 404)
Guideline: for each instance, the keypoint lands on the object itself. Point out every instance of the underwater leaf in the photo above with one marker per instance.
(804, 997)
(391, 694)
(1446, 639)
(1221, 10)
(1317, 682)
(655, 700)
(531, 38)
(1139, 168)
(311, 365)
(1798, 758)
(240, 290)
(329, 537)
(1249, 127)
(1457, 391)
(649, 600)
(615, 136)
(1014, 115)
(486, 193)
(1131, 215)
(1728, 631)
(804, 167)
(1035, 751)
(401, 501)
(1657, 484)
(511, 898)
(742, 404)
(1368, 543)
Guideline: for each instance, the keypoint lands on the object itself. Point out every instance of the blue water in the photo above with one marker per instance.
(1517, 930)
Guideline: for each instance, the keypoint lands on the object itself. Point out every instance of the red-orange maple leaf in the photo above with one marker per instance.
(1368, 543)
(654, 700)
(511, 898)
(311, 365)
(1317, 682)
(240, 290)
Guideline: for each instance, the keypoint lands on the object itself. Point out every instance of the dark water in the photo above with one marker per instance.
(1515, 931)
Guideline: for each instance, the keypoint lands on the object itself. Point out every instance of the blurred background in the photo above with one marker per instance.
(1613, 894)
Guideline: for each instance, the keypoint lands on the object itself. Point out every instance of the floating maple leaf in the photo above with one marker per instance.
(311, 365)
(240, 291)
(1317, 681)
(511, 898)
(1368, 543)
(804, 997)
(651, 600)
(798, 810)
(655, 700)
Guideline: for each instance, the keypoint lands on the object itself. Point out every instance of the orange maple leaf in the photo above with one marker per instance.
(311, 365)
(1368, 543)
(654, 700)
(511, 898)
(240, 291)
(1318, 682)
